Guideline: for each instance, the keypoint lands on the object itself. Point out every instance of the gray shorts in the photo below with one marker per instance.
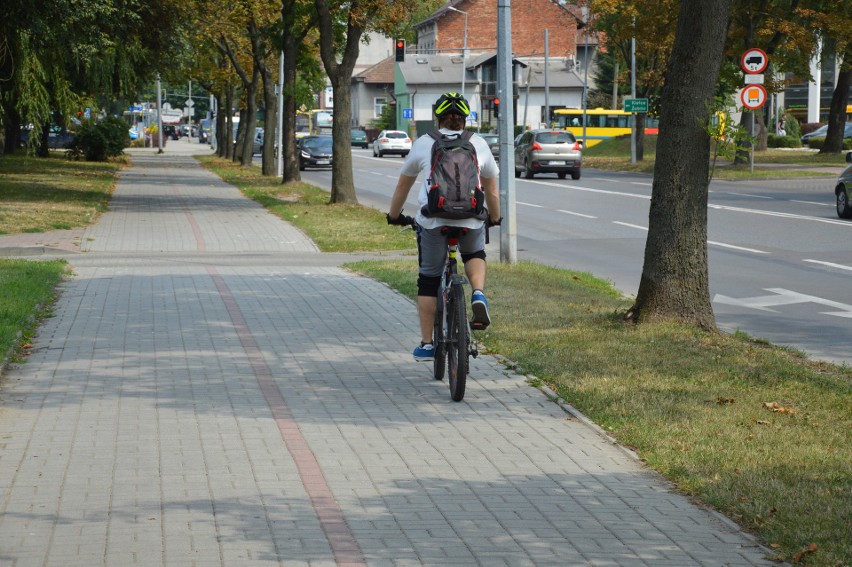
(432, 248)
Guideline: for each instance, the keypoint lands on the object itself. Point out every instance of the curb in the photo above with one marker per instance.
(582, 418)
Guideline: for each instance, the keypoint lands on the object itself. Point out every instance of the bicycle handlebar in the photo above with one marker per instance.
(401, 220)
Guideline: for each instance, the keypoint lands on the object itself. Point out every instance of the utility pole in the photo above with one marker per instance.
(279, 134)
(546, 82)
(505, 124)
(633, 94)
(159, 116)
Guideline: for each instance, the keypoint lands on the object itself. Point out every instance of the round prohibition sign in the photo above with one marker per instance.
(754, 61)
(753, 96)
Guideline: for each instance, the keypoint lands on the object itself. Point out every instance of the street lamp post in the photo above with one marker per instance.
(464, 49)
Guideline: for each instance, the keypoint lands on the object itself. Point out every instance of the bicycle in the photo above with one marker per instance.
(451, 335)
(452, 332)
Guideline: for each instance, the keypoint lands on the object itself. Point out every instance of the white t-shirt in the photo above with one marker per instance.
(419, 159)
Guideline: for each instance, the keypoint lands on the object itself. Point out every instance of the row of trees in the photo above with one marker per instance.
(57, 57)
(236, 50)
(789, 31)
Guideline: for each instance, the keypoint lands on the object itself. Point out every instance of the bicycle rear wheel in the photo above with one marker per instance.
(440, 363)
(458, 343)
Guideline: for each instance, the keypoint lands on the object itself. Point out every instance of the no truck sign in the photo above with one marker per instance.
(754, 61)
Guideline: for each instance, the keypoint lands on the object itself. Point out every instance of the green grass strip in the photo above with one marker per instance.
(44, 194)
(27, 296)
(758, 432)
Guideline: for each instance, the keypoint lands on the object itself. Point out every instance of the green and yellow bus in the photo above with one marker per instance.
(601, 123)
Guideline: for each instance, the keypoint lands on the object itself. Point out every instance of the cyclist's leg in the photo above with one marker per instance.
(472, 247)
(431, 255)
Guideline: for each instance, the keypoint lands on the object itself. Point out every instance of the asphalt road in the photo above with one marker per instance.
(780, 263)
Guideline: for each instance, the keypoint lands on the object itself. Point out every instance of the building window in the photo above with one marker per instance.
(378, 106)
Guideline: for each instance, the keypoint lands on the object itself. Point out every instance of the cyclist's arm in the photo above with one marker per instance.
(492, 197)
(400, 194)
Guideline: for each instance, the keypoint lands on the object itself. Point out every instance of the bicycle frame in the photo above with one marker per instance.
(452, 334)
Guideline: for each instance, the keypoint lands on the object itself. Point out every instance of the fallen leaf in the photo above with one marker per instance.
(797, 557)
(777, 408)
(761, 422)
(725, 401)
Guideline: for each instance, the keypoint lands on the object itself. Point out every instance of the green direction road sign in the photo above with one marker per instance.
(636, 105)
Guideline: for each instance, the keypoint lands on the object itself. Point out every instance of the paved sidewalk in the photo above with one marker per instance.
(214, 391)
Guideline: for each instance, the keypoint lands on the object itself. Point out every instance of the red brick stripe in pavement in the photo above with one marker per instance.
(340, 538)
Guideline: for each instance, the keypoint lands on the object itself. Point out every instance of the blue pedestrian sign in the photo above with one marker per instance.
(407, 113)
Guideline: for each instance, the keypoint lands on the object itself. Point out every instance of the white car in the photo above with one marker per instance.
(392, 142)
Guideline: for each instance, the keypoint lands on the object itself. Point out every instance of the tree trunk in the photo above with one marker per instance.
(270, 100)
(837, 110)
(340, 74)
(291, 42)
(228, 132)
(674, 282)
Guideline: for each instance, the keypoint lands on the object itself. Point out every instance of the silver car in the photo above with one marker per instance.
(391, 142)
(548, 151)
(493, 141)
(843, 191)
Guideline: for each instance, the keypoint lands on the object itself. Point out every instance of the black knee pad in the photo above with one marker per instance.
(427, 286)
(480, 254)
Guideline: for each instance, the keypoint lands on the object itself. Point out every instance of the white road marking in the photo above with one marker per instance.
(782, 296)
(782, 215)
(812, 203)
(630, 225)
(749, 195)
(529, 204)
(713, 242)
(723, 245)
(575, 214)
(829, 264)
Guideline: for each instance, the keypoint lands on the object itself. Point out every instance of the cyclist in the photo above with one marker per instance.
(452, 110)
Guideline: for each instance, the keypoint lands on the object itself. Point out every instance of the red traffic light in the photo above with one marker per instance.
(400, 44)
(496, 101)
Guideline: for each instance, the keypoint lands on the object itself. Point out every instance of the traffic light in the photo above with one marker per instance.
(400, 50)
(496, 108)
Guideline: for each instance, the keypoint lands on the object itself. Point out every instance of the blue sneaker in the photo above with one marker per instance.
(424, 353)
(479, 304)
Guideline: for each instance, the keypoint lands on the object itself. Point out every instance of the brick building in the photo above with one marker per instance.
(444, 30)
(434, 64)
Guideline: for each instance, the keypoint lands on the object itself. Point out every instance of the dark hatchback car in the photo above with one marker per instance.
(315, 151)
(823, 130)
(359, 138)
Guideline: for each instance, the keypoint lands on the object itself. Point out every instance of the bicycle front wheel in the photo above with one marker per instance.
(458, 343)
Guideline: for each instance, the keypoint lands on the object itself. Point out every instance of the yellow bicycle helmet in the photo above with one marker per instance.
(452, 103)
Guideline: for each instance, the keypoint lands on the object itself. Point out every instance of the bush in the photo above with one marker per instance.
(776, 141)
(98, 141)
(791, 125)
(817, 143)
